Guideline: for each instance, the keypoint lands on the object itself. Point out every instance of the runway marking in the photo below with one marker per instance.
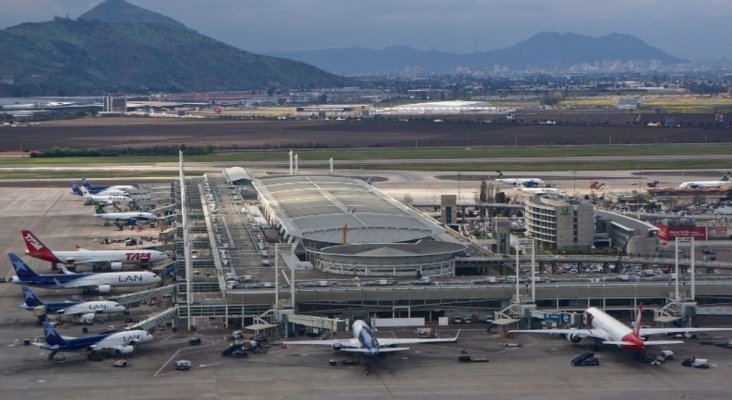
(198, 350)
(167, 362)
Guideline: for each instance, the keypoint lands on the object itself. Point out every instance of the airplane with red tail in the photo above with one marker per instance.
(608, 330)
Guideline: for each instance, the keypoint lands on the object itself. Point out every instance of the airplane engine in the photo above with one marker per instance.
(115, 266)
(574, 338)
(104, 288)
(337, 346)
(87, 318)
(125, 350)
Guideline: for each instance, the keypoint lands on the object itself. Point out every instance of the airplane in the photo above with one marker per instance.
(81, 311)
(118, 343)
(527, 182)
(608, 330)
(365, 342)
(111, 258)
(723, 181)
(99, 188)
(539, 190)
(132, 217)
(104, 198)
(89, 282)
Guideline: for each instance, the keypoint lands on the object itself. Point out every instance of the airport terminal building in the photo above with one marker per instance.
(346, 226)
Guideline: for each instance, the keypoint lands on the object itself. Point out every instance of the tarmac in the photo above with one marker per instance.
(540, 369)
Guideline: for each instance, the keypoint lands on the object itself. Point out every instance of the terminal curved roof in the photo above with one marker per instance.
(235, 174)
(317, 208)
(395, 250)
(626, 222)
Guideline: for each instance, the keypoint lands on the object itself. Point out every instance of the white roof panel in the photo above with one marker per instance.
(318, 207)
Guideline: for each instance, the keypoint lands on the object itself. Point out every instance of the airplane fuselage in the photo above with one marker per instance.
(102, 256)
(89, 280)
(366, 337)
(612, 329)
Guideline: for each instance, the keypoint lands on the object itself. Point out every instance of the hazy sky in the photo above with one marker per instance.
(698, 29)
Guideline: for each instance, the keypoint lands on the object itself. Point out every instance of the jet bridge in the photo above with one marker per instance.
(143, 296)
(330, 324)
(156, 320)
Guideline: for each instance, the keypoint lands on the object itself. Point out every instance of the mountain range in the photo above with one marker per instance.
(120, 48)
(543, 50)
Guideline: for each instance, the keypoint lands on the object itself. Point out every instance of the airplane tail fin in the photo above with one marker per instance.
(725, 178)
(75, 189)
(99, 209)
(500, 174)
(85, 183)
(638, 315)
(22, 270)
(31, 300)
(52, 336)
(36, 248)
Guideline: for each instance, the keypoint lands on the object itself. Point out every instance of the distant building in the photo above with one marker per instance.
(628, 235)
(502, 234)
(625, 103)
(448, 209)
(556, 223)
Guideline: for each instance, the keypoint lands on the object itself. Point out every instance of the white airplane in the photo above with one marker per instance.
(538, 190)
(118, 343)
(99, 283)
(723, 181)
(104, 199)
(80, 311)
(94, 189)
(132, 217)
(365, 342)
(112, 258)
(602, 327)
(527, 182)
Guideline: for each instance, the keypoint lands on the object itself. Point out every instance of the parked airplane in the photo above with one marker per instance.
(723, 181)
(99, 283)
(112, 258)
(118, 343)
(608, 330)
(539, 190)
(365, 342)
(82, 311)
(132, 217)
(98, 188)
(527, 182)
(104, 198)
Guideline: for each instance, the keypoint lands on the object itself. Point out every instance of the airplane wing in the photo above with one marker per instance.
(353, 343)
(583, 333)
(660, 331)
(396, 341)
(381, 349)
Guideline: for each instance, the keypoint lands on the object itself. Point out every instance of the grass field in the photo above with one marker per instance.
(401, 153)
(670, 104)
(411, 157)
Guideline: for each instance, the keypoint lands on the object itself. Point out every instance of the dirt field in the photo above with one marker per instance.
(257, 134)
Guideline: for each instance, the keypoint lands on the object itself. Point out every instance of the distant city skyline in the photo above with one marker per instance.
(692, 30)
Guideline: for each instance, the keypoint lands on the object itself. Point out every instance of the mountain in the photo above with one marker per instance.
(543, 50)
(116, 11)
(95, 56)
